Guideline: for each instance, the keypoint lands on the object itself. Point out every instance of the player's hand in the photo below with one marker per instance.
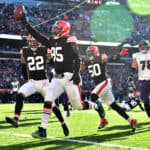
(20, 14)
(75, 78)
(124, 51)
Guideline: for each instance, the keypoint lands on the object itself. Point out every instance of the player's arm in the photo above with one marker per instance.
(23, 66)
(122, 52)
(20, 15)
(141, 107)
(104, 58)
(83, 65)
(72, 45)
(37, 35)
(134, 64)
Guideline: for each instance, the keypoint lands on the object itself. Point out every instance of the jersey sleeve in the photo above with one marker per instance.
(38, 36)
(72, 44)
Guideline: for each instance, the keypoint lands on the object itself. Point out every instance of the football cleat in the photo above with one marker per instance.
(133, 124)
(12, 121)
(103, 123)
(65, 129)
(40, 133)
(68, 113)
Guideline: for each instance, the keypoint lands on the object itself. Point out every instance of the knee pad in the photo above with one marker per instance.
(94, 97)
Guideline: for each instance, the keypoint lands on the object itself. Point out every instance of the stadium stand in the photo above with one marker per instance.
(79, 20)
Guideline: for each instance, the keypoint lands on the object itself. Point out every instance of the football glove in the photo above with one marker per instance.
(75, 78)
(20, 14)
(124, 51)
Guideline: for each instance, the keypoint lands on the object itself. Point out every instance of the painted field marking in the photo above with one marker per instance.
(76, 141)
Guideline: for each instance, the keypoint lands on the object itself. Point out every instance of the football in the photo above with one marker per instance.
(19, 12)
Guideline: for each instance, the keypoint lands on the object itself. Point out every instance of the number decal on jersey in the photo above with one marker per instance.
(35, 63)
(145, 64)
(94, 70)
(57, 56)
(133, 103)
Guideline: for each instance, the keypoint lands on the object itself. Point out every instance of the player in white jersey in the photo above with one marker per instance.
(141, 62)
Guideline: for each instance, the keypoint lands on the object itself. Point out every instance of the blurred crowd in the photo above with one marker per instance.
(119, 79)
(79, 19)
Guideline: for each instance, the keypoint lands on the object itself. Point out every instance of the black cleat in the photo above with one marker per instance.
(40, 133)
(12, 121)
(68, 113)
(65, 129)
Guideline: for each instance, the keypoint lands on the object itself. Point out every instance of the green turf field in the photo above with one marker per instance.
(84, 134)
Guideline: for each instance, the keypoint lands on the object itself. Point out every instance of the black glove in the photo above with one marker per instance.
(75, 78)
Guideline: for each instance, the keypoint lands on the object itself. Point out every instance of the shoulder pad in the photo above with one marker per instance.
(71, 39)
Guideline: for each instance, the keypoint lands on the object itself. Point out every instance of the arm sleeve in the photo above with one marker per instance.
(74, 47)
(37, 35)
(141, 107)
(76, 61)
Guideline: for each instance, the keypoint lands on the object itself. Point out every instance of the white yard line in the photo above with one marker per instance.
(77, 141)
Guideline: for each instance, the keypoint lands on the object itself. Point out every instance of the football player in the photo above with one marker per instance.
(34, 68)
(63, 99)
(133, 96)
(141, 62)
(131, 103)
(65, 56)
(96, 65)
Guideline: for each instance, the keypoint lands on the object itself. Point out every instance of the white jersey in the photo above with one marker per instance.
(15, 86)
(143, 60)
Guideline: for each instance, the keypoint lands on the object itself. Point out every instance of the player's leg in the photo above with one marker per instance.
(109, 98)
(26, 90)
(145, 93)
(59, 115)
(65, 103)
(100, 110)
(125, 107)
(66, 109)
(47, 110)
(53, 91)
